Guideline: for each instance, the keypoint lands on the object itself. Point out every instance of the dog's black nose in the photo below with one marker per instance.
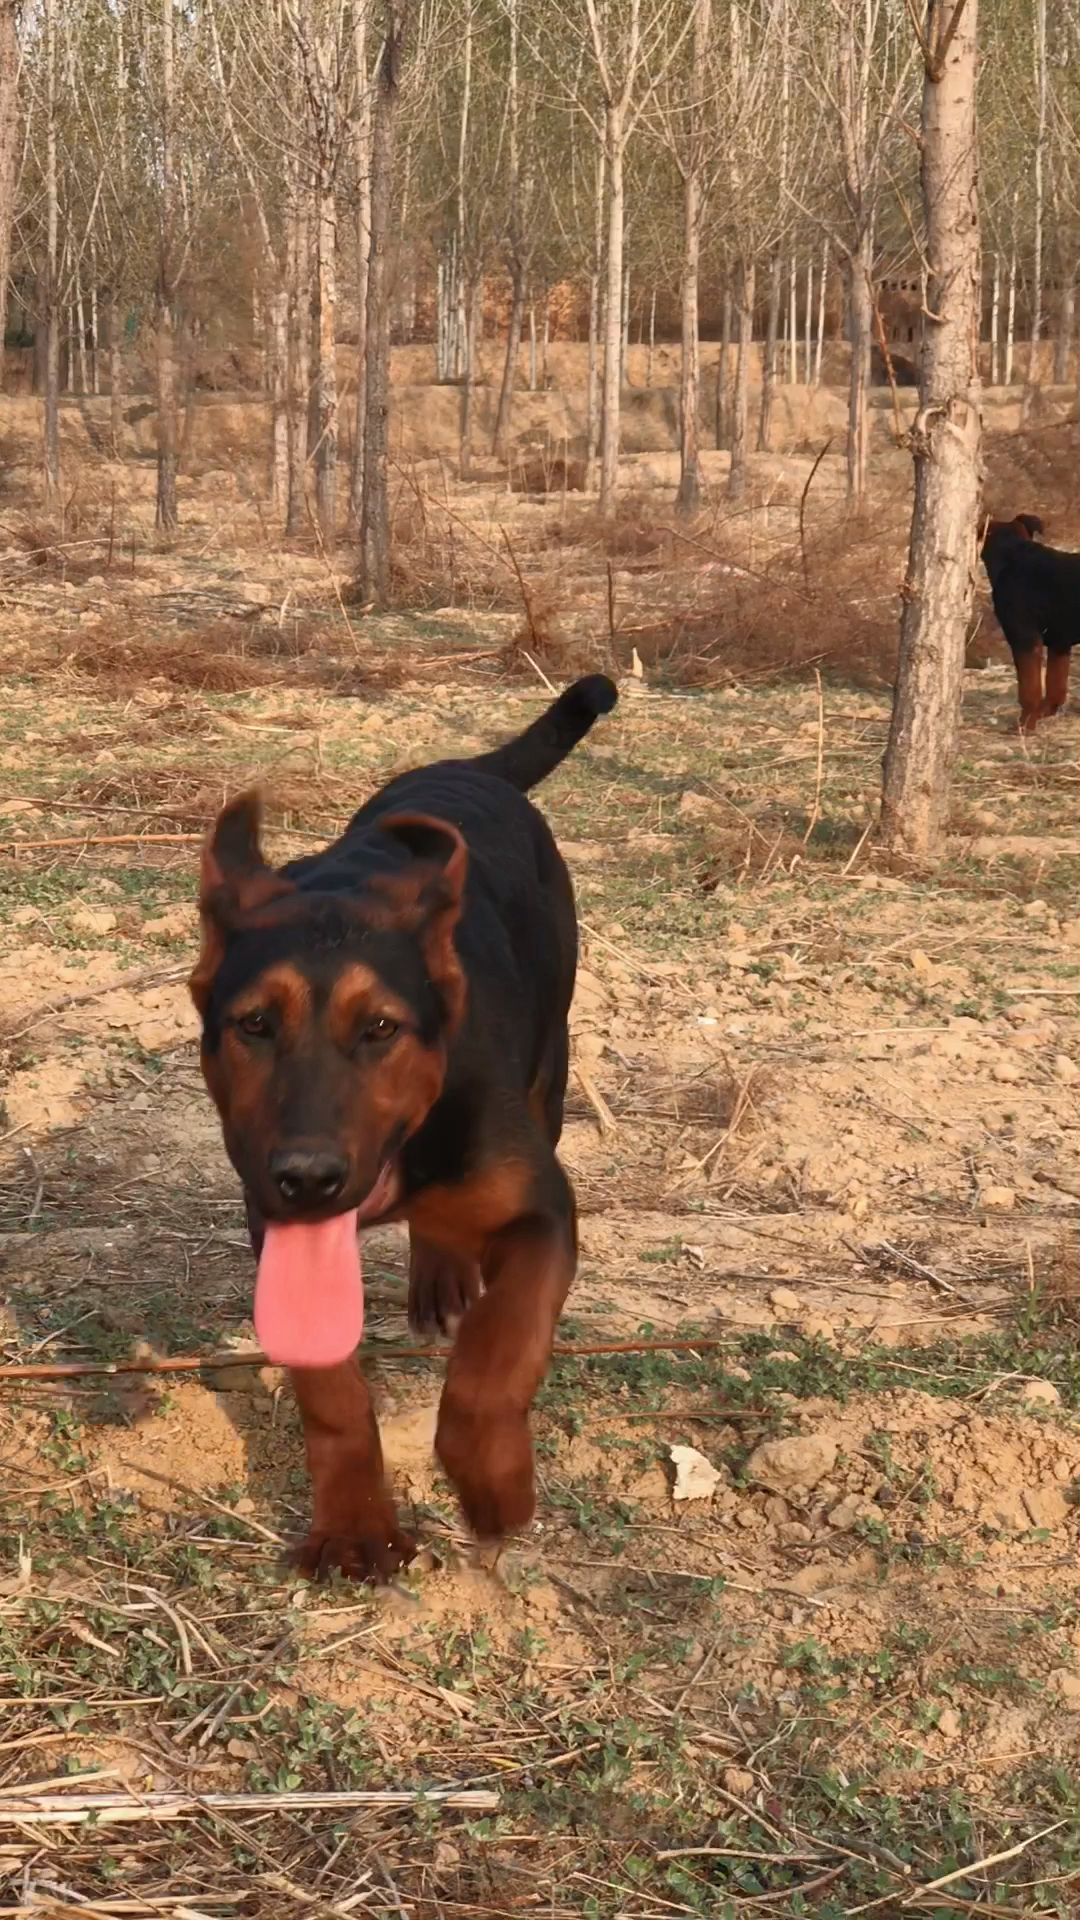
(308, 1179)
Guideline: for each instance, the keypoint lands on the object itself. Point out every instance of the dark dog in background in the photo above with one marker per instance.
(385, 1037)
(1036, 595)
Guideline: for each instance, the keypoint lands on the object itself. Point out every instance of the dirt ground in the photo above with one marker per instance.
(823, 1118)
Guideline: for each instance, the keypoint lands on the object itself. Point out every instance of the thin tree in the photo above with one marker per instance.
(361, 143)
(946, 441)
(9, 149)
(51, 273)
(166, 517)
(374, 577)
(688, 496)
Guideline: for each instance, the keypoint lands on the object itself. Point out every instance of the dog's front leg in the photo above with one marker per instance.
(354, 1527)
(500, 1357)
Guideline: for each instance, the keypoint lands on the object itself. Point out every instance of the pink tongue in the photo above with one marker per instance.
(309, 1293)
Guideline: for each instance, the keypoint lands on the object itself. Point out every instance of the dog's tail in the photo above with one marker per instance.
(526, 761)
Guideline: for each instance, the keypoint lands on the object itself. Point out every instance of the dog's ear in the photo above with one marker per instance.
(1029, 524)
(428, 898)
(234, 879)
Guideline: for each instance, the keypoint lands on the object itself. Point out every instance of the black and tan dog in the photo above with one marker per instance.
(385, 1037)
(1036, 595)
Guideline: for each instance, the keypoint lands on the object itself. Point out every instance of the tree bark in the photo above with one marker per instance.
(822, 290)
(612, 391)
(688, 496)
(326, 404)
(861, 331)
(740, 405)
(500, 439)
(375, 513)
(947, 441)
(1010, 319)
(995, 316)
(768, 360)
(278, 354)
(474, 307)
(592, 378)
(298, 246)
(723, 370)
(1066, 322)
(9, 149)
(116, 377)
(166, 517)
(362, 163)
(52, 291)
(1032, 383)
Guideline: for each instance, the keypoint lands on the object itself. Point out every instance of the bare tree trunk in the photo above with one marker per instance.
(474, 318)
(689, 493)
(95, 376)
(995, 317)
(1066, 323)
(166, 518)
(299, 375)
(740, 407)
(861, 330)
(362, 162)
(375, 515)
(688, 496)
(821, 314)
(80, 333)
(1010, 319)
(1032, 383)
(612, 393)
(624, 330)
(808, 328)
(532, 346)
(279, 400)
(793, 322)
(500, 440)
(116, 377)
(592, 388)
(650, 356)
(52, 292)
(9, 149)
(947, 442)
(326, 405)
(723, 370)
(768, 361)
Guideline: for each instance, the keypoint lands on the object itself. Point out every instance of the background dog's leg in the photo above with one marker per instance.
(1057, 682)
(1029, 681)
(441, 1286)
(353, 1525)
(502, 1351)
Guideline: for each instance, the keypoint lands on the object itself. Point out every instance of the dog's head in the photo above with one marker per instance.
(1023, 526)
(327, 1016)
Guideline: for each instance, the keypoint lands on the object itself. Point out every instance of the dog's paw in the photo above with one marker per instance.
(490, 1462)
(441, 1288)
(373, 1558)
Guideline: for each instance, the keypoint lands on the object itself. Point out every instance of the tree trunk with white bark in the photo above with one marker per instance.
(947, 446)
(740, 403)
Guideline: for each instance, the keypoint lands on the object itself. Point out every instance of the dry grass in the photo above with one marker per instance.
(829, 601)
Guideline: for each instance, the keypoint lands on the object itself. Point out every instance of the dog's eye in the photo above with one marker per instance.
(255, 1025)
(377, 1030)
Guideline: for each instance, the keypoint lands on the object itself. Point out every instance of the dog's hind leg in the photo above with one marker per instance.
(1057, 681)
(1029, 683)
(502, 1352)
